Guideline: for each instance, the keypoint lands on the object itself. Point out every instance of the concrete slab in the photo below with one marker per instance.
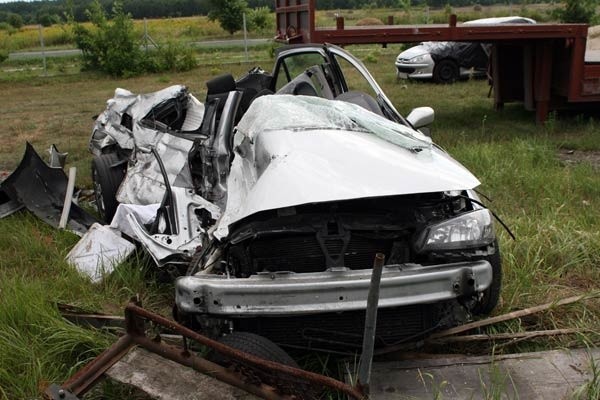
(163, 379)
(548, 375)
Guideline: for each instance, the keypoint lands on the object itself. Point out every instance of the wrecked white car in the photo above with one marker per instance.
(277, 193)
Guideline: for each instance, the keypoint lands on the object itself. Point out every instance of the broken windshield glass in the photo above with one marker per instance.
(301, 113)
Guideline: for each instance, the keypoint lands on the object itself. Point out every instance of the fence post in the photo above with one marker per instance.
(245, 38)
(43, 49)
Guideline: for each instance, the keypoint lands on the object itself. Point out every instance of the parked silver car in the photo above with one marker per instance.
(445, 62)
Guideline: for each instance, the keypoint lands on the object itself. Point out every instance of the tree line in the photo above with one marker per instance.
(46, 12)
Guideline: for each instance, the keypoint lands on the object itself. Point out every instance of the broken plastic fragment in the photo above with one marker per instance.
(99, 251)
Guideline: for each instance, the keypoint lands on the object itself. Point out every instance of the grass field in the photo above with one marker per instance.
(553, 207)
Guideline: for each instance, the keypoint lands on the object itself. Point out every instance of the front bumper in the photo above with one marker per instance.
(273, 294)
(414, 71)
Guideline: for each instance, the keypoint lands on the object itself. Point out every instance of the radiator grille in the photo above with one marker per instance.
(343, 330)
(302, 253)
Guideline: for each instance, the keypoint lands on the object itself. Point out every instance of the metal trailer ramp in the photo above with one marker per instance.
(547, 375)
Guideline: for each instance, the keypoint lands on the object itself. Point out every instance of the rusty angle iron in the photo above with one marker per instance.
(263, 378)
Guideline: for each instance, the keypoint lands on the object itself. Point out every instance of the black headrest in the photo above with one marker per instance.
(221, 84)
(305, 89)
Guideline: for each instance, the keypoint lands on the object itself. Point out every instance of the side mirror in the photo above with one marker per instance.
(421, 116)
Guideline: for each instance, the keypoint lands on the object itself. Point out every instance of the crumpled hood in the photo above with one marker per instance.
(281, 168)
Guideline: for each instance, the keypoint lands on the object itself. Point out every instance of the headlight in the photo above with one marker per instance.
(472, 229)
(417, 59)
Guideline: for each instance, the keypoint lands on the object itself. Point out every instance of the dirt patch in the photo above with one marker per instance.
(572, 157)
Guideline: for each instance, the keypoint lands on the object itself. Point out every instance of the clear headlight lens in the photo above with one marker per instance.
(417, 59)
(472, 229)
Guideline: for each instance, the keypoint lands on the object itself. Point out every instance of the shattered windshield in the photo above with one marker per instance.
(301, 113)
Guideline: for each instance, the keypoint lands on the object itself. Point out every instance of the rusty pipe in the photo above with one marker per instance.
(206, 367)
(366, 357)
(82, 380)
(235, 354)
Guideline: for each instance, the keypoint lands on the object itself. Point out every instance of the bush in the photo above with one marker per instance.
(260, 19)
(172, 56)
(577, 11)
(111, 46)
(3, 55)
(229, 13)
(15, 20)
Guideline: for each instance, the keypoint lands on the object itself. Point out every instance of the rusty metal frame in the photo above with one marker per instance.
(549, 44)
(135, 323)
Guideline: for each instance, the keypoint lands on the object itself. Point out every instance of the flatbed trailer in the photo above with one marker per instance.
(543, 66)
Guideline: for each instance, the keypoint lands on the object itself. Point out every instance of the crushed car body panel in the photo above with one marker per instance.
(41, 189)
(277, 168)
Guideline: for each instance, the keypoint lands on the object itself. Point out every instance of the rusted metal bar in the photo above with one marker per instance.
(85, 378)
(309, 377)
(366, 359)
(209, 368)
(135, 318)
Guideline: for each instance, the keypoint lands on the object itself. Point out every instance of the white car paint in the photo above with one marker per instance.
(278, 168)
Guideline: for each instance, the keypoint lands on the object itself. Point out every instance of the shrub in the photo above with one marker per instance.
(3, 55)
(229, 13)
(172, 56)
(577, 11)
(15, 20)
(111, 46)
(260, 19)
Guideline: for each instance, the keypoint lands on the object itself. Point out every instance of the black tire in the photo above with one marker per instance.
(491, 295)
(446, 71)
(108, 172)
(256, 345)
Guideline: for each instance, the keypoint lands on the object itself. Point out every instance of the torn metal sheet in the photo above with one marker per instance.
(120, 123)
(99, 251)
(41, 189)
(143, 214)
(57, 159)
(187, 228)
(144, 183)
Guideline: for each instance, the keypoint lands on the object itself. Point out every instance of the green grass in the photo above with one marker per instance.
(553, 209)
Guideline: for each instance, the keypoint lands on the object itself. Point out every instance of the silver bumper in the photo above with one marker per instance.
(272, 294)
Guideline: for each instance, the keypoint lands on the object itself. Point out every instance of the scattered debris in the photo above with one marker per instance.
(266, 379)
(42, 190)
(99, 251)
(510, 315)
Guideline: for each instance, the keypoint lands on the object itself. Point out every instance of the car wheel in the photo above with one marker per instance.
(490, 297)
(107, 174)
(256, 345)
(445, 71)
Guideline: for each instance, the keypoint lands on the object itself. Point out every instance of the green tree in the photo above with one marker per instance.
(229, 13)
(109, 46)
(15, 20)
(260, 19)
(577, 11)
